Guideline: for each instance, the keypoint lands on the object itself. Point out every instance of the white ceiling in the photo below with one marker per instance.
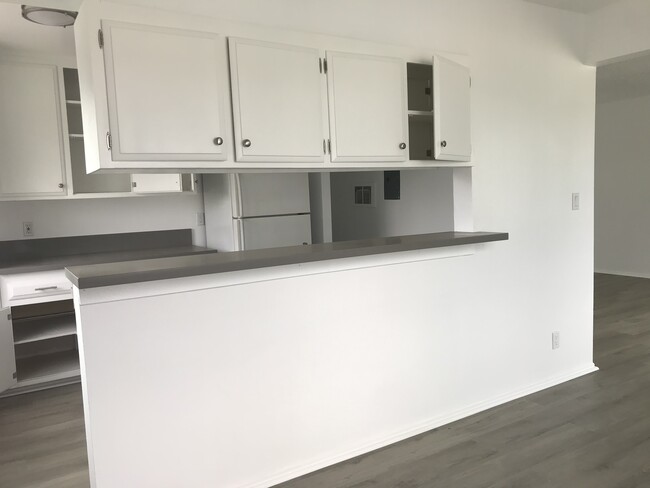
(19, 35)
(583, 6)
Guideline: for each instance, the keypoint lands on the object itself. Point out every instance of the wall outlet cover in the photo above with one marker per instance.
(575, 201)
(555, 341)
(28, 229)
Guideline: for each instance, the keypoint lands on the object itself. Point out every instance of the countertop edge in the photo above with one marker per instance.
(84, 277)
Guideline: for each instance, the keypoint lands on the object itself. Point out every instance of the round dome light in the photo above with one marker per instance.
(48, 16)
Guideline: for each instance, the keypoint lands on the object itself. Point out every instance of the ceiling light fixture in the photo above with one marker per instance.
(48, 16)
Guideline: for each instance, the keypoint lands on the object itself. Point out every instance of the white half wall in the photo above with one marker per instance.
(58, 218)
(622, 226)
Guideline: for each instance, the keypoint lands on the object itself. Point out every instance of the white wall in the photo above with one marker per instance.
(533, 105)
(622, 226)
(426, 205)
(57, 218)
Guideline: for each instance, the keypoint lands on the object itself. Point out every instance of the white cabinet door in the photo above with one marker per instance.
(7, 353)
(31, 140)
(278, 94)
(451, 109)
(367, 108)
(164, 95)
(156, 183)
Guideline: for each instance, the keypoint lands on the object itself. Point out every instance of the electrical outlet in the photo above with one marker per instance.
(200, 218)
(556, 340)
(28, 229)
(575, 201)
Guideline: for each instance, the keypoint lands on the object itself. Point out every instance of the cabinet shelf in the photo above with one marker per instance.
(43, 328)
(76, 136)
(73, 102)
(47, 367)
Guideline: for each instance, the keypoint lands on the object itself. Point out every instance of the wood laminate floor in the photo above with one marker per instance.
(593, 432)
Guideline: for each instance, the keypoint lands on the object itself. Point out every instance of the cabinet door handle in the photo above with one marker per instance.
(246, 143)
(60, 185)
(46, 288)
(443, 143)
(402, 145)
(218, 141)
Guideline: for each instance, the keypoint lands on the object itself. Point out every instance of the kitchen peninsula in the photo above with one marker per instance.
(253, 367)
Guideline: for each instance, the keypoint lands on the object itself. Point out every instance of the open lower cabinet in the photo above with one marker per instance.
(39, 347)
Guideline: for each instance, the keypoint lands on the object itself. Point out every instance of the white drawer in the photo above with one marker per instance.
(28, 288)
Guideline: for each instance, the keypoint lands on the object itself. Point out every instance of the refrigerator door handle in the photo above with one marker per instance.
(237, 197)
(238, 233)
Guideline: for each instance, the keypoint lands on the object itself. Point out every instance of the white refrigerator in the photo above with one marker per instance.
(256, 211)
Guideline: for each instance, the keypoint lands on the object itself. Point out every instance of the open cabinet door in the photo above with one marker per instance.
(7, 354)
(451, 111)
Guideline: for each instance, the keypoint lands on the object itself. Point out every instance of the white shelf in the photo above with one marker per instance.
(73, 102)
(421, 112)
(77, 136)
(42, 328)
(47, 367)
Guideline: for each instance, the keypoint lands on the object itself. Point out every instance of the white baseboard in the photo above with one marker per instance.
(623, 273)
(430, 424)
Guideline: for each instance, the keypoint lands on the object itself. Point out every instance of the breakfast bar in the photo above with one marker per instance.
(249, 368)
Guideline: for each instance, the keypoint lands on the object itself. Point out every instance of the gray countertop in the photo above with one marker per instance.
(33, 255)
(108, 274)
(61, 262)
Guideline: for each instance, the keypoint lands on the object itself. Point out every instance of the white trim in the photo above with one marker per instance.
(132, 291)
(430, 424)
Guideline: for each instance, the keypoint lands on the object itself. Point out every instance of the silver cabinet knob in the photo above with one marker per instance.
(218, 141)
(402, 145)
(443, 143)
(60, 185)
(246, 143)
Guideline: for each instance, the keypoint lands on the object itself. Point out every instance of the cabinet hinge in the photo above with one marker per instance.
(325, 65)
(8, 316)
(329, 145)
(470, 82)
(109, 141)
(100, 38)
(320, 65)
(14, 376)
(134, 184)
(324, 147)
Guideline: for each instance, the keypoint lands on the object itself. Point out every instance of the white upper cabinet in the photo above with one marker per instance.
(367, 107)
(31, 140)
(164, 93)
(451, 110)
(156, 183)
(279, 105)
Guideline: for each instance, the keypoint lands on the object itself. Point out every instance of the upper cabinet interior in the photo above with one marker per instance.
(182, 96)
(439, 111)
